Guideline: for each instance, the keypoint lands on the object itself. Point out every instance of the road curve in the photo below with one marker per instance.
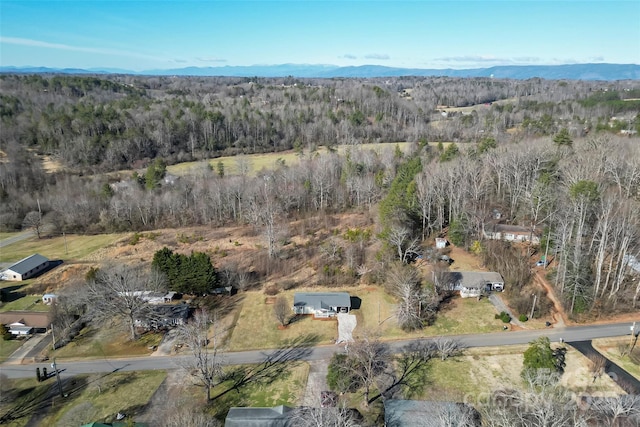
(573, 333)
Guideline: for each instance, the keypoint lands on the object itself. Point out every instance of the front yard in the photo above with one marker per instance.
(90, 398)
(256, 326)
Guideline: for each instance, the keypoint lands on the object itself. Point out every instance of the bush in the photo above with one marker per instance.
(271, 290)
(4, 332)
(523, 318)
(504, 316)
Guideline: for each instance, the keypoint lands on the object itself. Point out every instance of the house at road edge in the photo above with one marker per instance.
(321, 304)
(26, 268)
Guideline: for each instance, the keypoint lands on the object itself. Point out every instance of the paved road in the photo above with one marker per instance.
(628, 382)
(16, 238)
(574, 333)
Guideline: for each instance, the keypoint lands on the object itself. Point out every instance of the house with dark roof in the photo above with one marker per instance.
(321, 304)
(26, 268)
(278, 416)
(164, 316)
(429, 413)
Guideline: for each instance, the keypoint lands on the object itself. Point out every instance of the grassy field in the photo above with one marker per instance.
(611, 348)
(76, 247)
(8, 347)
(257, 327)
(90, 398)
(285, 388)
(258, 162)
(28, 302)
(108, 341)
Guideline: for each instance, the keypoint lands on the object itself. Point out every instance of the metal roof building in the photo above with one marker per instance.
(26, 268)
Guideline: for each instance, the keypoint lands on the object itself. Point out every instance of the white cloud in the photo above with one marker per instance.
(211, 59)
(59, 46)
(349, 56)
(380, 56)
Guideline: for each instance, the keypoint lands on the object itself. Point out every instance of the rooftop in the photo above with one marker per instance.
(28, 263)
(317, 299)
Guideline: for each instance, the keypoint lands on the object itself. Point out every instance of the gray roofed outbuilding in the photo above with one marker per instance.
(278, 416)
(26, 268)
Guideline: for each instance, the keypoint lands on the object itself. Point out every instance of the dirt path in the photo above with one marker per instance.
(165, 399)
(559, 315)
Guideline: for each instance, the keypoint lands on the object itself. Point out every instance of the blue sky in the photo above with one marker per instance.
(145, 35)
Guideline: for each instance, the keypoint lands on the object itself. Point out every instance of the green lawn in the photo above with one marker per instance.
(8, 347)
(90, 397)
(73, 247)
(278, 385)
(257, 327)
(110, 340)
(28, 302)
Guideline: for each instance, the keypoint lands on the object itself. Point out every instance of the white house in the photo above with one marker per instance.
(512, 233)
(26, 268)
(321, 304)
(20, 329)
(472, 283)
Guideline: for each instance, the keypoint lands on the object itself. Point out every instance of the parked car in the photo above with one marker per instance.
(541, 263)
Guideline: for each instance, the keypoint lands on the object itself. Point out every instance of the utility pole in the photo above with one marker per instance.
(55, 368)
(53, 335)
(533, 307)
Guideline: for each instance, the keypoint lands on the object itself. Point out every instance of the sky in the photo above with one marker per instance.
(152, 35)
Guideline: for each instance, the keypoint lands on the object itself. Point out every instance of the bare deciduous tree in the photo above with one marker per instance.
(33, 220)
(206, 364)
(597, 366)
(118, 291)
(417, 303)
(448, 347)
(406, 245)
(370, 358)
(282, 310)
(323, 417)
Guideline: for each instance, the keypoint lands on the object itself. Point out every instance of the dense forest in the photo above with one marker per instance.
(561, 158)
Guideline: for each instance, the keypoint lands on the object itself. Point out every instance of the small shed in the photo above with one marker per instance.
(26, 268)
(49, 298)
(321, 304)
(441, 243)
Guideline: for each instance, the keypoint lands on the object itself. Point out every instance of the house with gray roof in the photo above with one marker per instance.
(278, 416)
(321, 304)
(429, 413)
(471, 283)
(26, 268)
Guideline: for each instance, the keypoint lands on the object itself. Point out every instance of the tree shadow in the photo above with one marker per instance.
(12, 293)
(276, 364)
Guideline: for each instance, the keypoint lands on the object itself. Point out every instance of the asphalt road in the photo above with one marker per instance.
(16, 238)
(68, 367)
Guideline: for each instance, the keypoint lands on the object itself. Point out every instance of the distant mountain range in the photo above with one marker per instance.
(520, 72)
